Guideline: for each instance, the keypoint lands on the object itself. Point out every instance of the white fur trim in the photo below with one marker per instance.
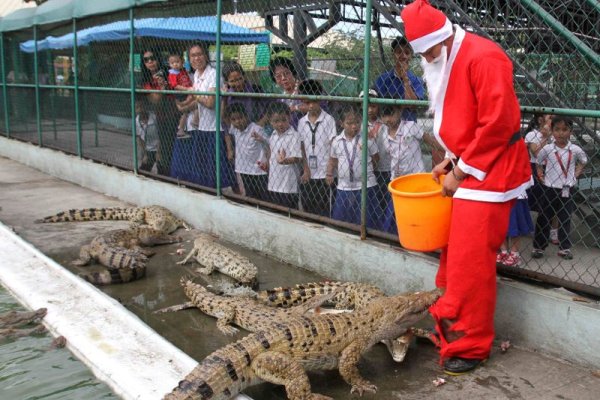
(424, 43)
(467, 169)
(492, 197)
(439, 104)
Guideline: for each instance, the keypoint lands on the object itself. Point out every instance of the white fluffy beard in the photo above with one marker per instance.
(433, 73)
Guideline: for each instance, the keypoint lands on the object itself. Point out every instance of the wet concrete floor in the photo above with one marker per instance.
(27, 194)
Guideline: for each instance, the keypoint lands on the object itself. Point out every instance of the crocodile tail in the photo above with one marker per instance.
(223, 374)
(112, 276)
(90, 214)
(292, 296)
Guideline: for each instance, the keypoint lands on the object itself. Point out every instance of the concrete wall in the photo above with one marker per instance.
(531, 317)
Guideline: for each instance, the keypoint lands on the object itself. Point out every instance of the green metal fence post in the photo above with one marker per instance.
(365, 122)
(132, 88)
(76, 90)
(218, 98)
(4, 89)
(52, 78)
(36, 80)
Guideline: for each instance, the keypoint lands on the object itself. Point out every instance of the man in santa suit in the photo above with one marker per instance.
(477, 120)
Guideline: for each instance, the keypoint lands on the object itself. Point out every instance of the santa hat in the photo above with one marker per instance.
(424, 26)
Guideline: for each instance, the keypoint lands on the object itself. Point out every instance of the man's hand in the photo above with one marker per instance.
(329, 179)
(450, 185)
(402, 69)
(440, 169)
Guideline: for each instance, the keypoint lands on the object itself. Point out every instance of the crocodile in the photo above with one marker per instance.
(259, 314)
(242, 311)
(157, 217)
(121, 252)
(14, 324)
(350, 295)
(214, 256)
(283, 353)
(14, 319)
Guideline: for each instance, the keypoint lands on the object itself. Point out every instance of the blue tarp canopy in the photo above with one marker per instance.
(195, 28)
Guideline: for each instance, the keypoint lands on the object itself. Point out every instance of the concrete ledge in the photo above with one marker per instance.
(134, 361)
(534, 318)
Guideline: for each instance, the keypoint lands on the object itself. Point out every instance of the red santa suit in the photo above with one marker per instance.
(477, 119)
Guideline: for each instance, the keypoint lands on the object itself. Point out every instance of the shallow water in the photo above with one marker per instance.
(31, 369)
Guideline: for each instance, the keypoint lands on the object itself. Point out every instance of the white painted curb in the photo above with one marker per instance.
(119, 348)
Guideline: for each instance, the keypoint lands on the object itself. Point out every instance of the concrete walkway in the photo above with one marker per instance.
(27, 194)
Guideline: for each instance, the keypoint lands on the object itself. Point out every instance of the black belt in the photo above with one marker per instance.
(514, 138)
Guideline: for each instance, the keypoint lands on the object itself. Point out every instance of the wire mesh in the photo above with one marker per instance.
(287, 127)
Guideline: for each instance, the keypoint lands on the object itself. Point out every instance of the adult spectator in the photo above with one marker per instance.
(400, 82)
(195, 158)
(236, 82)
(477, 120)
(284, 74)
(154, 76)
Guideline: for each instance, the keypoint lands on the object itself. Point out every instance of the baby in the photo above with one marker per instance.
(179, 79)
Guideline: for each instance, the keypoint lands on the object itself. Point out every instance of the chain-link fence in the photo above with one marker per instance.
(145, 89)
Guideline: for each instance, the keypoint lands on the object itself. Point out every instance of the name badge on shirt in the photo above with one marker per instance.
(312, 162)
(566, 191)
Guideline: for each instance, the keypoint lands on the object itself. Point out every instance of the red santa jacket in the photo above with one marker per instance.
(477, 118)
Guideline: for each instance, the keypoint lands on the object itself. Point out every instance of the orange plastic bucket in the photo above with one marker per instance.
(422, 214)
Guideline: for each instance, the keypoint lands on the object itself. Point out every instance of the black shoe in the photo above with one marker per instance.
(537, 253)
(458, 366)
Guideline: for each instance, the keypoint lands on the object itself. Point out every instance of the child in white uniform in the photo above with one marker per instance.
(284, 157)
(250, 141)
(378, 132)
(317, 129)
(146, 131)
(564, 162)
(404, 146)
(346, 157)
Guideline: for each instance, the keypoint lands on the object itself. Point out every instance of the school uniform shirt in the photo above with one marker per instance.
(283, 178)
(349, 155)
(148, 132)
(477, 115)
(535, 137)
(248, 149)
(405, 149)
(384, 163)
(560, 164)
(205, 82)
(317, 139)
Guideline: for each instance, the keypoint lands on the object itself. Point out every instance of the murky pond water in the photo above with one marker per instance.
(197, 335)
(31, 369)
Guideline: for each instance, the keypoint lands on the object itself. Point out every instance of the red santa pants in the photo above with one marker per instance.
(468, 273)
